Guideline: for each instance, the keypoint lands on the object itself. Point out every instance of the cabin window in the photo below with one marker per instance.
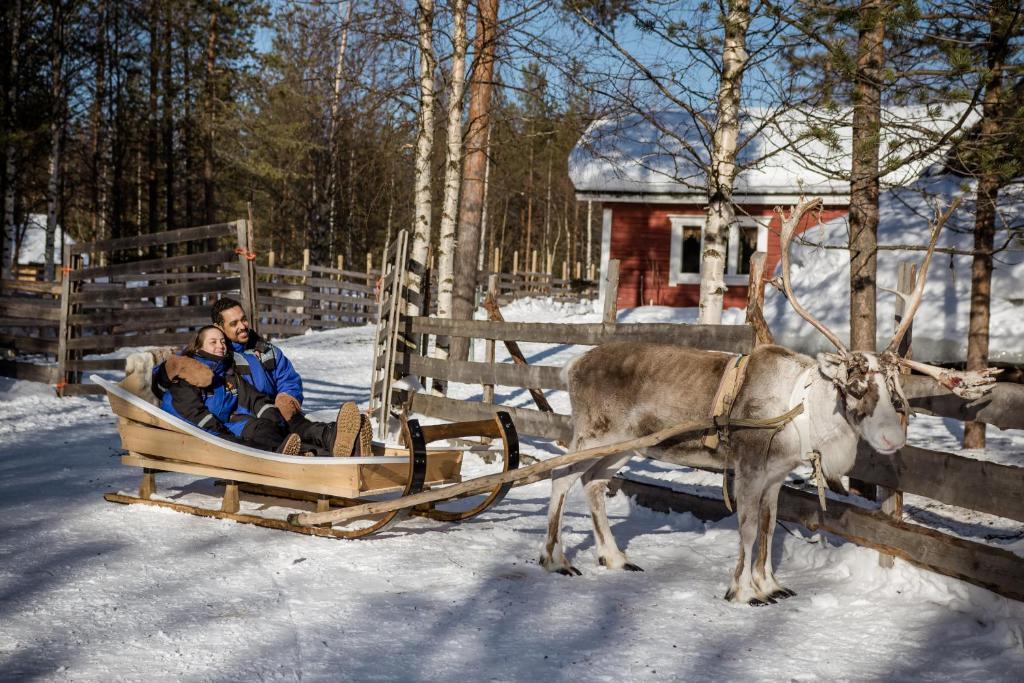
(745, 236)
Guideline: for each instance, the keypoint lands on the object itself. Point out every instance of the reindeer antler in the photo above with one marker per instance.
(969, 384)
(788, 230)
(914, 300)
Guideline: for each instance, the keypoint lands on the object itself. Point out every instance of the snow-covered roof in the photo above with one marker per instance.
(664, 153)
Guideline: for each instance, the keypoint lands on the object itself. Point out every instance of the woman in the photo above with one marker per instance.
(218, 400)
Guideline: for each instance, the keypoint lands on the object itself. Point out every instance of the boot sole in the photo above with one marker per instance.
(346, 430)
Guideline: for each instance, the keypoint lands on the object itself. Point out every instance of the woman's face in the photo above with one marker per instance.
(213, 343)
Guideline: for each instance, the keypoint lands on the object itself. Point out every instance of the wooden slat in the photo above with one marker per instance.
(728, 338)
(80, 365)
(152, 266)
(44, 288)
(949, 478)
(343, 298)
(345, 483)
(28, 344)
(532, 422)
(24, 307)
(117, 294)
(112, 342)
(278, 330)
(27, 322)
(993, 568)
(47, 374)
(181, 315)
(151, 240)
(504, 374)
(339, 284)
(81, 390)
(345, 274)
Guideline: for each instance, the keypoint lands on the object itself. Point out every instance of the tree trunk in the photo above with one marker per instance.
(472, 205)
(985, 210)
(721, 212)
(424, 145)
(56, 131)
(152, 135)
(452, 181)
(209, 206)
(332, 178)
(96, 173)
(864, 182)
(170, 218)
(10, 151)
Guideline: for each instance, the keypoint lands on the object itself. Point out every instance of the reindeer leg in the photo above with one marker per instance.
(552, 556)
(768, 588)
(595, 485)
(748, 499)
(776, 590)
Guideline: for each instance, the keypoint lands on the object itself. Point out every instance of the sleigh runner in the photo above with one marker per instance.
(159, 442)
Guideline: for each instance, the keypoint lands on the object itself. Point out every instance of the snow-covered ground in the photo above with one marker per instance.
(95, 591)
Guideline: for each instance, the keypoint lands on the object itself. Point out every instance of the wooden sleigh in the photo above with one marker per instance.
(159, 442)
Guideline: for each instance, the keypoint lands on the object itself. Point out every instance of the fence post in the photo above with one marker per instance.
(64, 330)
(496, 263)
(270, 259)
(891, 501)
(755, 300)
(492, 294)
(369, 283)
(247, 272)
(611, 292)
(306, 295)
(515, 262)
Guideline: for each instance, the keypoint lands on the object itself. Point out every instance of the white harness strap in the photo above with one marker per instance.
(802, 422)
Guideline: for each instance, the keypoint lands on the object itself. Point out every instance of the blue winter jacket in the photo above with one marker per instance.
(266, 368)
(224, 407)
(261, 363)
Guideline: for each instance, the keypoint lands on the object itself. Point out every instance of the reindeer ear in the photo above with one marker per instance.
(831, 366)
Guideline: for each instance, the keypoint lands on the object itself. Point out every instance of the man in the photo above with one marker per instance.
(266, 368)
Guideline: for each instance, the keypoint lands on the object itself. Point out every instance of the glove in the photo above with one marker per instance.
(288, 406)
(190, 370)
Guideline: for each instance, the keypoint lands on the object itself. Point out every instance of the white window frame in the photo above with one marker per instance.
(678, 222)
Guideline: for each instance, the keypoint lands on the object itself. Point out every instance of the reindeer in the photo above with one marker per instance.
(623, 390)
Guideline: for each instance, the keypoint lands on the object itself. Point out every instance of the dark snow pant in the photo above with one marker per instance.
(262, 433)
(315, 435)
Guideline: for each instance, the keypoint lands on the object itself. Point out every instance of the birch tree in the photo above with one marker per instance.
(721, 213)
(332, 180)
(452, 168)
(421, 233)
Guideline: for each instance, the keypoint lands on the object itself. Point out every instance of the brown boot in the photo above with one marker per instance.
(287, 406)
(291, 445)
(365, 437)
(346, 430)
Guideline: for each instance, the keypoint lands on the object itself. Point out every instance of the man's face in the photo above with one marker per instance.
(235, 325)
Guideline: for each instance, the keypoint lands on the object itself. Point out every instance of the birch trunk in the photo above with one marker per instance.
(864, 182)
(424, 144)
(452, 176)
(10, 166)
(56, 131)
(476, 170)
(721, 212)
(332, 214)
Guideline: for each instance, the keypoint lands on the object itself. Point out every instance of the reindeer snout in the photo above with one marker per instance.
(890, 442)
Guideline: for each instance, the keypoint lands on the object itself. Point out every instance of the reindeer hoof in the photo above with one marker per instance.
(755, 602)
(630, 567)
(783, 593)
(569, 571)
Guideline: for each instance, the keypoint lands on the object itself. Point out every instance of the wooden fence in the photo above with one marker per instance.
(949, 478)
(29, 322)
(156, 290)
(513, 286)
(291, 301)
